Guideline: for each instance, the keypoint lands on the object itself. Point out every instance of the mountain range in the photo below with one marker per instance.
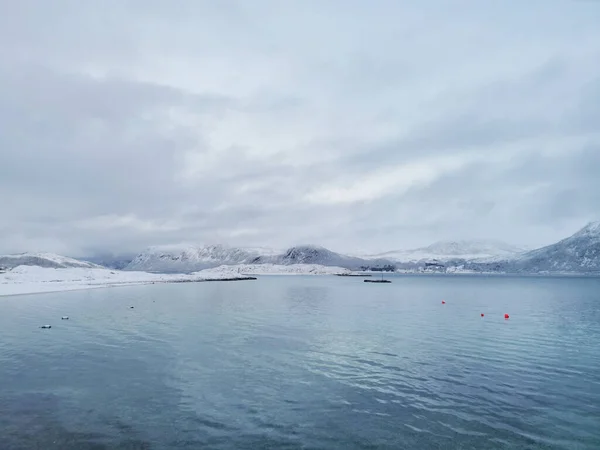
(448, 250)
(579, 253)
(168, 259)
(48, 260)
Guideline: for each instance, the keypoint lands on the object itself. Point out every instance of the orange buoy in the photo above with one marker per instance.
(443, 302)
(481, 314)
(506, 316)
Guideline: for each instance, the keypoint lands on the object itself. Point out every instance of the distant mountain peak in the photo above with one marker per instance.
(592, 228)
(186, 258)
(455, 249)
(308, 247)
(50, 260)
(579, 253)
(190, 259)
(474, 246)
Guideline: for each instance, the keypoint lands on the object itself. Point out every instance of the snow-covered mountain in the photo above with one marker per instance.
(169, 259)
(579, 253)
(49, 260)
(191, 259)
(111, 261)
(437, 256)
(451, 250)
(313, 254)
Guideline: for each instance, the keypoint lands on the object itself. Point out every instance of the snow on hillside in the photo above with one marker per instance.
(42, 260)
(111, 260)
(579, 253)
(449, 250)
(191, 259)
(314, 254)
(274, 269)
(591, 230)
(185, 259)
(33, 279)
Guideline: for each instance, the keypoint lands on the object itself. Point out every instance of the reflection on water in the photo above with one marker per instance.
(305, 362)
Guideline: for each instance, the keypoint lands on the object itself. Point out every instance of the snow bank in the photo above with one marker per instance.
(273, 269)
(34, 279)
(43, 260)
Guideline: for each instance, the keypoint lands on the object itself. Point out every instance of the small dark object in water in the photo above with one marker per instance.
(377, 281)
(64, 318)
(131, 307)
(46, 326)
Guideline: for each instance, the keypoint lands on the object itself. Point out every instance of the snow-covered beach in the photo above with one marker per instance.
(34, 279)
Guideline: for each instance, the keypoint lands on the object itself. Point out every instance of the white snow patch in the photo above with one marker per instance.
(481, 250)
(43, 259)
(34, 279)
(178, 258)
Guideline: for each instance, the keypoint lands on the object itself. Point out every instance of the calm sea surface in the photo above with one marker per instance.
(305, 362)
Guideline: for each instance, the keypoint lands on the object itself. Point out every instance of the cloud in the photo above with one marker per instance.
(128, 124)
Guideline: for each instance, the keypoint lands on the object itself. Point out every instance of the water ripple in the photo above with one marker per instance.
(299, 362)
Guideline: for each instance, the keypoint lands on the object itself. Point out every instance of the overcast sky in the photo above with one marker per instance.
(357, 125)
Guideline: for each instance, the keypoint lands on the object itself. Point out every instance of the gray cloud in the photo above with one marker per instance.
(355, 126)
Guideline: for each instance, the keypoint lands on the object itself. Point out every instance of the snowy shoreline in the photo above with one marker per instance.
(24, 280)
(36, 280)
(274, 269)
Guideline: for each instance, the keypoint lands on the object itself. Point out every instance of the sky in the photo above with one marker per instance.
(359, 126)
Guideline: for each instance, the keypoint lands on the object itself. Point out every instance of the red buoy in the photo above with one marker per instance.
(506, 316)
(481, 314)
(443, 302)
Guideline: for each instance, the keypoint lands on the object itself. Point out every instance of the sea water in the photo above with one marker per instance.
(290, 362)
